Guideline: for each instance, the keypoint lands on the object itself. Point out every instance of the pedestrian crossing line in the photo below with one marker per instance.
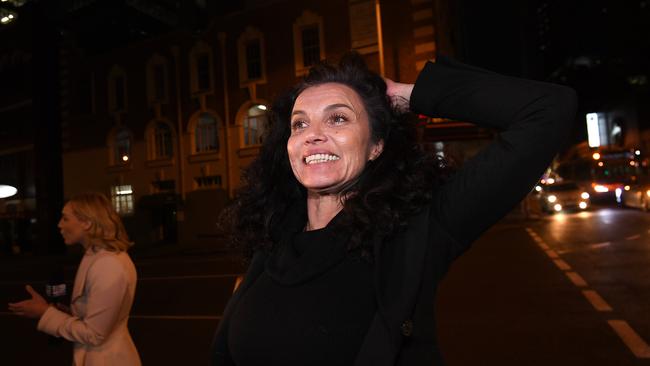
(576, 279)
(552, 254)
(596, 300)
(564, 266)
(176, 317)
(632, 339)
(633, 237)
(544, 246)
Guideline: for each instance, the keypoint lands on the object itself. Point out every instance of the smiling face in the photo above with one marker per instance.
(72, 229)
(330, 140)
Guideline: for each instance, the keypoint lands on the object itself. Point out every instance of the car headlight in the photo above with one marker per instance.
(558, 207)
(600, 188)
(647, 193)
(582, 205)
(551, 198)
(584, 195)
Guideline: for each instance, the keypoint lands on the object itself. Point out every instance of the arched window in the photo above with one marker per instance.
(206, 135)
(254, 124)
(163, 145)
(122, 146)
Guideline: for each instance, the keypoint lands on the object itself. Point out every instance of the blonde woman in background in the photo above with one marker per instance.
(103, 291)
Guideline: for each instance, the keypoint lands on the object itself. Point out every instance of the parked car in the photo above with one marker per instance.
(563, 196)
(637, 196)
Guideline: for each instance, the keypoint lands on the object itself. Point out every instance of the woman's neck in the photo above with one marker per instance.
(321, 209)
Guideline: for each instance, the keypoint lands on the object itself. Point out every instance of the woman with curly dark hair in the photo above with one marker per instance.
(350, 225)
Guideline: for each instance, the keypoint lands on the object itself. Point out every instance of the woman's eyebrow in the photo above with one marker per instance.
(326, 109)
(338, 105)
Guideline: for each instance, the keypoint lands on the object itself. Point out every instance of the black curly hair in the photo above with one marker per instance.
(394, 186)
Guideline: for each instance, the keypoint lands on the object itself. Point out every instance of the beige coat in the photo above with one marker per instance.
(101, 301)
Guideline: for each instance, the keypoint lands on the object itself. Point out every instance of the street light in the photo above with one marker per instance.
(7, 191)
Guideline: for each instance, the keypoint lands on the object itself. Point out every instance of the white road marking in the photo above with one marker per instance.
(544, 246)
(596, 300)
(600, 245)
(633, 237)
(552, 254)
(576, 279)
(632, 339)
(562, 264)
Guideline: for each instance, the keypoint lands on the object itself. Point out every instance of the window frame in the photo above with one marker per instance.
(113, 104)
(307, 19)
(194, 133)
(250, 34)
(120, 199)
(155, 62)
(199, 50)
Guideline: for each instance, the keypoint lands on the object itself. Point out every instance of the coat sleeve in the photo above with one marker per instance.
(533, 120)
(107, 289)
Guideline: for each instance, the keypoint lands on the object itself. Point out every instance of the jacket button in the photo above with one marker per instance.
(407, 328)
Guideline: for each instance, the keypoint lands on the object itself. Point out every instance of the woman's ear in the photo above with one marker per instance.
(85, 224)
(377, 149)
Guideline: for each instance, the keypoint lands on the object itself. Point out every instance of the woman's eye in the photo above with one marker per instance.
(339, 118)
(298, 124)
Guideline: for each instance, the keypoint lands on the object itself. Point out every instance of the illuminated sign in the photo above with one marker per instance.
(593, 129)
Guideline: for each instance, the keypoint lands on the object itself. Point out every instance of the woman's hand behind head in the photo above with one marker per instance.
(399, 94)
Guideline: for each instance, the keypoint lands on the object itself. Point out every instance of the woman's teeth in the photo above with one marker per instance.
(320, 158)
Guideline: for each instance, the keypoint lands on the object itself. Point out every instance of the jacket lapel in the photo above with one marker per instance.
(82, 272)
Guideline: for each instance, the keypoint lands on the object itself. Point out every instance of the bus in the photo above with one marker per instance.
(603, 172)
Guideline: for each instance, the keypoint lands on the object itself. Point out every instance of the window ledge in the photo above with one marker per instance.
(204, 156)
(201, 92)
(250, 150)
(159, 162)
(120, 168)
(246, 83)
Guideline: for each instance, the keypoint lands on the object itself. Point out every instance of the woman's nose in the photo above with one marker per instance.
(315, 134)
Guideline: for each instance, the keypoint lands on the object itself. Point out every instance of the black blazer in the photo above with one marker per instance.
(534, 119)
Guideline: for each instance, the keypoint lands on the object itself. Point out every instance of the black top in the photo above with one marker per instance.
(311, 306)
(533, 118)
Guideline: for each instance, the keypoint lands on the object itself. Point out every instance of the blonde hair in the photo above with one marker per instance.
(106, 229)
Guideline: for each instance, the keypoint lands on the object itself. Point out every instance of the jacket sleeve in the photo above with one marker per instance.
(533, 120)
(106, 292)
